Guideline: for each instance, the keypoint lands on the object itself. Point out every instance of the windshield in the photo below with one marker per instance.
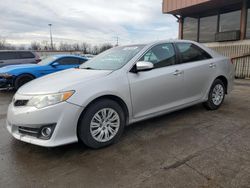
(113, 59)
(47, 60)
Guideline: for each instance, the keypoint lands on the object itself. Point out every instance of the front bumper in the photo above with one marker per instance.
(6, 83)
(63, 116)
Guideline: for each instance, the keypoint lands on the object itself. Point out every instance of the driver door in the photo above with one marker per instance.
(67, 63)
(159, 89)
(63, 64)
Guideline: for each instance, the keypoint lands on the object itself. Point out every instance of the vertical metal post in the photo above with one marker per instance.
(181, 22)
(198, 30)
(218, 22)
(51, 40)
(243, 22)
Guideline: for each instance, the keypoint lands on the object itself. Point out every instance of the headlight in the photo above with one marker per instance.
(41, 101)
(5, 75)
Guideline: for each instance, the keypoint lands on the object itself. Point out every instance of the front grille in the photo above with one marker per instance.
(29, 131)
(20, 102)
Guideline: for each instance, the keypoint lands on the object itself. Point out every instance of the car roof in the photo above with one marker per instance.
(160, 42)
(170, 41)
(150, 44)
(67, 55)
(17, 51)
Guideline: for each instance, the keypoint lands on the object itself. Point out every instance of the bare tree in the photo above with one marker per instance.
(6, 46)
(21, 47)
(95, 50)
(85, 48)
(76, 47)
(65, 46)
(105, 47)
(2, 44)
(45, 45)
(35, 46)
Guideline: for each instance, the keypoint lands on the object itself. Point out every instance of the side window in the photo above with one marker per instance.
(26, 55)
(190, 53)
(8, 55)
(162, 55)
(69, 61)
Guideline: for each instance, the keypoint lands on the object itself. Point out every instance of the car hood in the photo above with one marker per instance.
(60, 81)
(10, 68)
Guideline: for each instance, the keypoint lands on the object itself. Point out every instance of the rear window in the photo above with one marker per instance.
(16, 55)
(24, 55)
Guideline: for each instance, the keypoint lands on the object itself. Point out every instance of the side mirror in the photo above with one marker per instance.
(144, 66)
(55, 64)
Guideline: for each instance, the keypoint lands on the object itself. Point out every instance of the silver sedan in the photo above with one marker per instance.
(124, 85)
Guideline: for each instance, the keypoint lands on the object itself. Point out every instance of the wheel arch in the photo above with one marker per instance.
(20, 75)
(224, 80)
(111, 97)
(24, 74)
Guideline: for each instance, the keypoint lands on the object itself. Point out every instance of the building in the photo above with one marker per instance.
(223, 25)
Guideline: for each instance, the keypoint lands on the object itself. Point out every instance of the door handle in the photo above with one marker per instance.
(178, 72)
(212, 65)
(1, 61)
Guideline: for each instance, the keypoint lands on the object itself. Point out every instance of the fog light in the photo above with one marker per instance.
(46, 132)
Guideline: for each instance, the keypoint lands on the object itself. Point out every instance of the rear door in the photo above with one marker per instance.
(8, 58)
(26, 57)
(158, 89)
(199, 70)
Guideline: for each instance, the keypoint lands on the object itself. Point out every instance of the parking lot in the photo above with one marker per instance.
(188, 148)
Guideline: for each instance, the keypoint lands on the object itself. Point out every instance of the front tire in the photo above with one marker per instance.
(21, 80)
(216, 95)
(102, 124)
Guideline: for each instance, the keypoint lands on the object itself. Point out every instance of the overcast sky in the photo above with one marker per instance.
(93, 21)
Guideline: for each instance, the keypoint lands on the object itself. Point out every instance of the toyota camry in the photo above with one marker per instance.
(93, 103)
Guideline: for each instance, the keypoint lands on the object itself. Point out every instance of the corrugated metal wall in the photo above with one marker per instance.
(170, 5)
(236, 49)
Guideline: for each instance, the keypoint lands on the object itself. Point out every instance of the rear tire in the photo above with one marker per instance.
(21, 80)
(216, 95)
(102, 124)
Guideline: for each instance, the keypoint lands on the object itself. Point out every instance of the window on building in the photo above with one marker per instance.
(230, 21)
(190, 53)
(208, 28)
(190, 28)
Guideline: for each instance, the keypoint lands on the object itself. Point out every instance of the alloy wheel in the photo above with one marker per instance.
(218, 94)
(105, 125)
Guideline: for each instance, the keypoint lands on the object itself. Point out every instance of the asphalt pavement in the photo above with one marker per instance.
(189, 148)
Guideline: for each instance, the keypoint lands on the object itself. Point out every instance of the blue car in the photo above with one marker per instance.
(14, 76)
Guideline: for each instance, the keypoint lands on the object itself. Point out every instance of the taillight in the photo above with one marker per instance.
(38, 60)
